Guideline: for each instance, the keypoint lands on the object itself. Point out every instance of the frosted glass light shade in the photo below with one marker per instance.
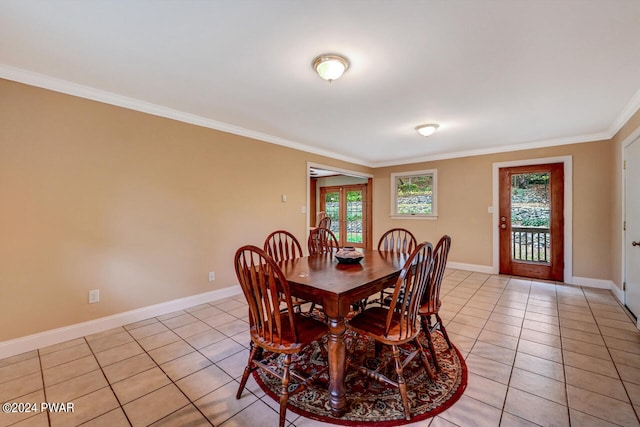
(330, 67)
(426, 130)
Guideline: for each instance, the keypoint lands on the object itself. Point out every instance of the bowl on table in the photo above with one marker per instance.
(349, 255)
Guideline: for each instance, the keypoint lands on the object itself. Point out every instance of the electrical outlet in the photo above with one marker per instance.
(94, 296)
(212, 276)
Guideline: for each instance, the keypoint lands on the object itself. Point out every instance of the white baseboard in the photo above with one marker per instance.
(617, 292)
(591, 283)
(54, 336)
(598, 284)
(471, 267)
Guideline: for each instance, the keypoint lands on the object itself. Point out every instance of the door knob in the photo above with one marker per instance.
(503, 218)
(504, 227)
(635, 243)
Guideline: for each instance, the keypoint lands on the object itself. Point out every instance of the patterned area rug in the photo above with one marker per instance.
(371, 402)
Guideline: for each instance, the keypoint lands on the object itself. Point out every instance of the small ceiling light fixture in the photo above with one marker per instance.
(330, 66)
(426, 130)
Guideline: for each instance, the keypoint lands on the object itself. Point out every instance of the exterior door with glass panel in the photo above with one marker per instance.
(532, 221)
(346, 206)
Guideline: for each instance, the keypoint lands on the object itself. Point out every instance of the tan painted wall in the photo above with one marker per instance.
(465, 193)
(99, 197)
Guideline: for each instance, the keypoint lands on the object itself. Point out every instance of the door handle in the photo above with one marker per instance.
(504, 227)
(635, 243)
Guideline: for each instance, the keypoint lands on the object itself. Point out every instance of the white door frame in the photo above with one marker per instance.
(568, 210)
(623, 251)
(335, 169)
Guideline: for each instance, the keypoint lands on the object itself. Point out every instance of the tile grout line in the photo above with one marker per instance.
(44, 388)
(212, 363)
(184, 340)
(482, 329)
(108, 382)
(564, 370)
(592, 299)
(615, 365)
(504, 403)
(195, 351)
(191, 403)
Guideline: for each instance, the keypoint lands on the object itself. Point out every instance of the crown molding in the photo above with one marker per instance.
(629, 110)
(499, 149)
(74, 89)
(69, 88)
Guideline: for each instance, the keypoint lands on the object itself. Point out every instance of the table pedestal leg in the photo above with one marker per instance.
(337, 366)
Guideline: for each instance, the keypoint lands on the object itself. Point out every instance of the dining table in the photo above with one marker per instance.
(336, 286)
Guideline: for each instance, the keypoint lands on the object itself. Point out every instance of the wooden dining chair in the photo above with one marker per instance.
(399, 324)
(324, 222)
(395, 240)
(282, 245)
(278, 332)
(430, 304)
(322, 241)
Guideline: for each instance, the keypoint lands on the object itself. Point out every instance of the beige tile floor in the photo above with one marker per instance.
(537, 354)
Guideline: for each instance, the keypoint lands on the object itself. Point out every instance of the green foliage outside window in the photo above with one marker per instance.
(414, 194)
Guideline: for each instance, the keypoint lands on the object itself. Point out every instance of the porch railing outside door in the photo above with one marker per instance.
(531, 244)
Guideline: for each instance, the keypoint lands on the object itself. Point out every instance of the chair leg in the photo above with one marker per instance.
(284, 391)
(425, 360)
(247, 370)
(427, 333)
(401, 382)
(432, 350)
(443, 330)
(377, 348)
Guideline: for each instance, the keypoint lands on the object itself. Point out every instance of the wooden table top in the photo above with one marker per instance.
(321, 279)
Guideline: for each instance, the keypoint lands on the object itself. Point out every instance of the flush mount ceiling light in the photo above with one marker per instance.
(330, 66)
(426, 130)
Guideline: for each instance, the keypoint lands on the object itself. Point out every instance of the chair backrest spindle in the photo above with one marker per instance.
(397, 240)
(265, 288)
(409, 289)
(431, 296)
(325, 222)
(322, 241)
(281, 245)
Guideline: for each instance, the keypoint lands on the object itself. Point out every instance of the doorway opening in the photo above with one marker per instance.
(344, 196)
(346, 206)
(524, 242)
(532, 221)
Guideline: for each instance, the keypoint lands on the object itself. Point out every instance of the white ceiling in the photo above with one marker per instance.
(497, 75)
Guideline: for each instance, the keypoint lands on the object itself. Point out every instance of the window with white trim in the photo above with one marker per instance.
(413, 194)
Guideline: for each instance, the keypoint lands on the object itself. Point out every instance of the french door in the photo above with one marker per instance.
(532, 221)
(347, 207)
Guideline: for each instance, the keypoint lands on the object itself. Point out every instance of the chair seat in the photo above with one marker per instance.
(398, 324)
(428, 310)
(373, 321)
(309, 330)
(274, 324)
